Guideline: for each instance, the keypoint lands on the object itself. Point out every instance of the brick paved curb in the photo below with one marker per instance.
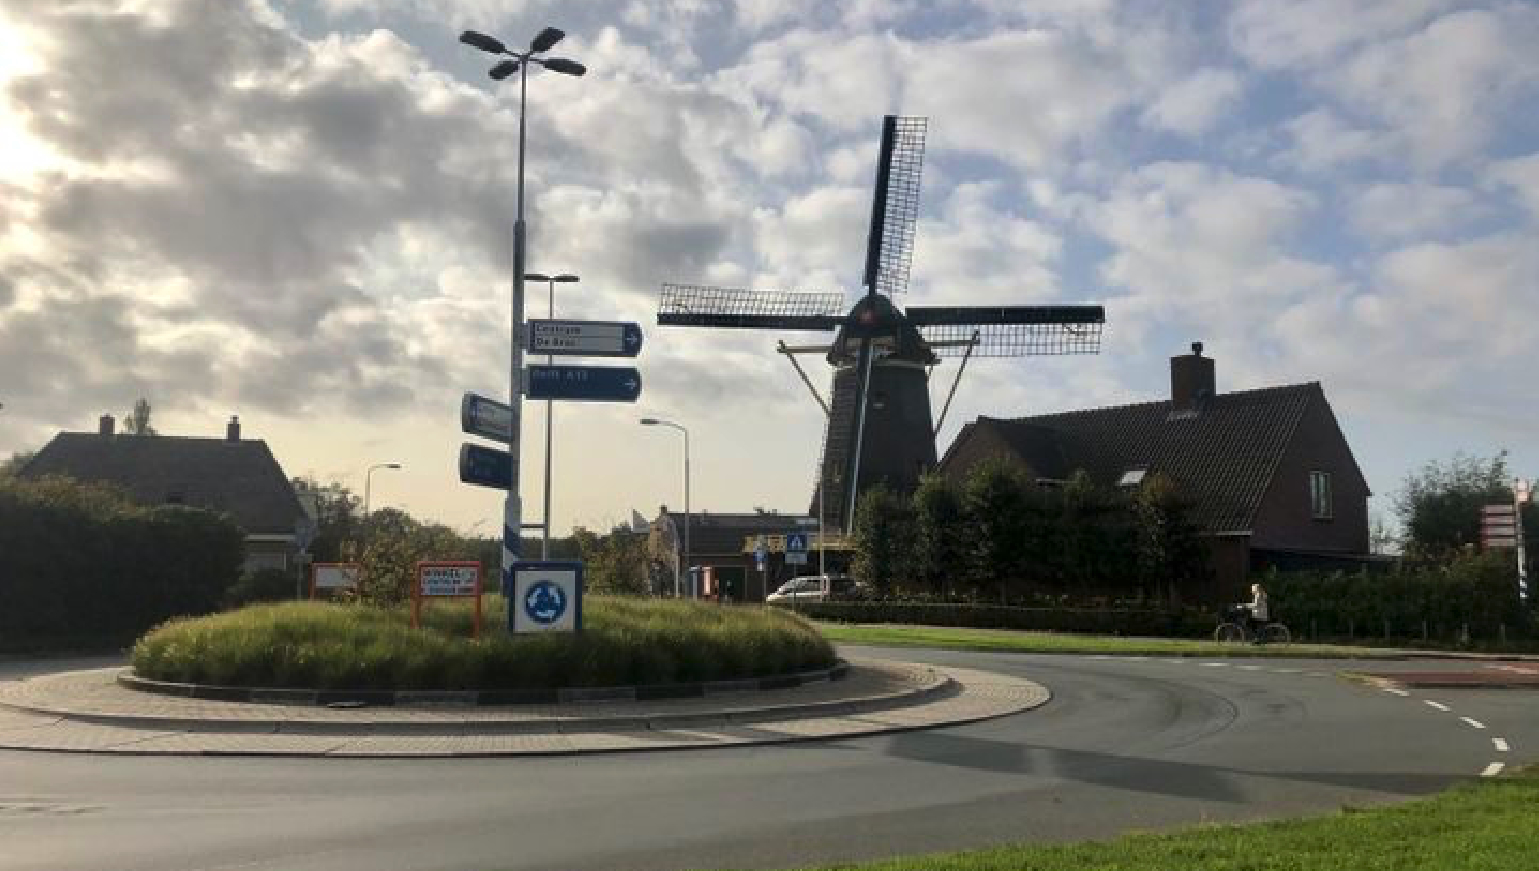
(949, 696)
(487, 697)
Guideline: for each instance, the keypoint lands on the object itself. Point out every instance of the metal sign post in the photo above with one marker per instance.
(449, 578)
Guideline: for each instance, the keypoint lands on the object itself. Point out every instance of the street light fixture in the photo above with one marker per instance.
(512, 507)
(367, 480)
(679, 568)
(550, 407)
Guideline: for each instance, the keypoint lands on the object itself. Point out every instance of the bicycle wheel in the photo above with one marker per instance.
(1276, 633)
(1229, 632)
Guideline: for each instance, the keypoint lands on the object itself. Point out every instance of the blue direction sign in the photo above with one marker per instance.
(485, 467)
(585, 338)
(487, 418)
(589, 383)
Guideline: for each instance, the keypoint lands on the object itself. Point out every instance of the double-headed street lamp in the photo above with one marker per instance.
(367, 476)
(518, 62)
(551, 281)
(679, 568)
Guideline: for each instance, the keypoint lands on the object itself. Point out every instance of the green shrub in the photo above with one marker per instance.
(1102, 621)
(624, 642)
(80, 564)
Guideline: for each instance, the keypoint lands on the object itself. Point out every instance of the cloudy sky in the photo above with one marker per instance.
(299, 211)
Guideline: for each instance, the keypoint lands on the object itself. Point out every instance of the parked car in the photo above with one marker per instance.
(818, 588)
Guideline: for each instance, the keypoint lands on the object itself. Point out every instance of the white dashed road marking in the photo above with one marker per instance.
(1431, 704)
(1396, 691)
(1216, 664)
(1500, 744)
(1474, 724)
(1493, 769)
(1250, 667)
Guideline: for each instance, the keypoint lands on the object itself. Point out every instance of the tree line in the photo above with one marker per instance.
(999, 536)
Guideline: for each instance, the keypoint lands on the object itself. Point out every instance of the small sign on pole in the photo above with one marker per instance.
(447, 579)
(332, 577)
(796, 548)
(546, 597)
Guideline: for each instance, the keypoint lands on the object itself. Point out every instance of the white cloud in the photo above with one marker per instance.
(1521, 176)
(1308, 33)
(1192, 105)
(1322, 140)
(1414, 210)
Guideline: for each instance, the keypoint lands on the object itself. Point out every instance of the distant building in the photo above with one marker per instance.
(1273, 479)
(720, 550)
(235, 476)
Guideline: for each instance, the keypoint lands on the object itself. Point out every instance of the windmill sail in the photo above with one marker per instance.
(895, 205)
(696, 305)
(1010, 331)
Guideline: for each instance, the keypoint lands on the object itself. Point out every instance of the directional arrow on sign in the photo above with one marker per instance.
(585, 338)
(584, 383)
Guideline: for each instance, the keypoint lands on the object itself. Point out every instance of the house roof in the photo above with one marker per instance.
(238, 477)
(723, 534)
(1223, 455)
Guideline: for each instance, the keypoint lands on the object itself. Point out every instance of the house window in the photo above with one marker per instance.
(1320, 505)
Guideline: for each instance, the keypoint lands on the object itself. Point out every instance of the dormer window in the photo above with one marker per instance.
(1133, 477)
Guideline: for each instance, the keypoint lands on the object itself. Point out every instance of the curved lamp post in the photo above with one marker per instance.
(684, 562)
(367, 480)
(518, 62)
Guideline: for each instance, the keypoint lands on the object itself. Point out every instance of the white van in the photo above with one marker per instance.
(817, 588)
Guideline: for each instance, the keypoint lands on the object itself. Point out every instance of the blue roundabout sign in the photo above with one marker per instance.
(545, 602)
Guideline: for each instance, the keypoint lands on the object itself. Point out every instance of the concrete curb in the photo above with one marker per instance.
(474, 698)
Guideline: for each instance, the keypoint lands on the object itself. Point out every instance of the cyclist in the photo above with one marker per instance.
(1260, 613)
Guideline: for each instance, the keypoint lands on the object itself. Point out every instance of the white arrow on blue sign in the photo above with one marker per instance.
(487, 418)
(586, 383)
(796, 541)
(585, 338)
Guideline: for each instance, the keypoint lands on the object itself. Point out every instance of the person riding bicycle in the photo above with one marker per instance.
(1260, 613)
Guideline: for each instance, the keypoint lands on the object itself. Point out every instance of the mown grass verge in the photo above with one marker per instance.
(1484, 826)
(624, 642)
(1062, 642)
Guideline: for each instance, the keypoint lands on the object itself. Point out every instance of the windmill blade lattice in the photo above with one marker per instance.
(895, 207)
(1011, 331)
(698, 305)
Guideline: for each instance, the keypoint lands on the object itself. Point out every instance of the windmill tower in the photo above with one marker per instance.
(879, 425)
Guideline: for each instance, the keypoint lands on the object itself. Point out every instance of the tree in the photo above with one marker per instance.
(337, 519)
(137, 422)
(940, 535)
(994, 496)
(615, 563)
(11, 467)
(1170, 550)
(884, 539)
(1439, 507)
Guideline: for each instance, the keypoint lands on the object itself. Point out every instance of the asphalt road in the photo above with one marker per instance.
(1125, 744)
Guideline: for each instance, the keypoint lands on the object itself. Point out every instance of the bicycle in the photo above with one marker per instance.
(1235, 626)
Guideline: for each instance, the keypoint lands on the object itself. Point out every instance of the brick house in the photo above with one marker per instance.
(721, 543)
(1272, 478)
(235, 476)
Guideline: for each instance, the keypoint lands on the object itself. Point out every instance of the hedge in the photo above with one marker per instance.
(81, 566)
(1099, 621)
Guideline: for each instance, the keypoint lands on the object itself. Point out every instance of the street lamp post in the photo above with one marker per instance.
(367, 480)
(683, 563)
(550, 407)
(518, 62)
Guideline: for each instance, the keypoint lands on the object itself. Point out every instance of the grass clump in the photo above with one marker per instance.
(1475, 827)
(907, 635)
(624, 642)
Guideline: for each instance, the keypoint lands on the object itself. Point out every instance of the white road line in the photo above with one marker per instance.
(1439, 705)
(1285, 670)
(1396, 690)
(1474, 724)
(1500, 744)
(1176, 661)
(1250, 667)
(1315, 674)
(1216, 664)
(1493, 769)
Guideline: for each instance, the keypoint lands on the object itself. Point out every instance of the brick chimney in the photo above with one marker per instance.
(106, 425)
(1191, 380)
(232, 429)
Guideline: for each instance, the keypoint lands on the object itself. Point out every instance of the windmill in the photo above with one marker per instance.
(879, 424)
